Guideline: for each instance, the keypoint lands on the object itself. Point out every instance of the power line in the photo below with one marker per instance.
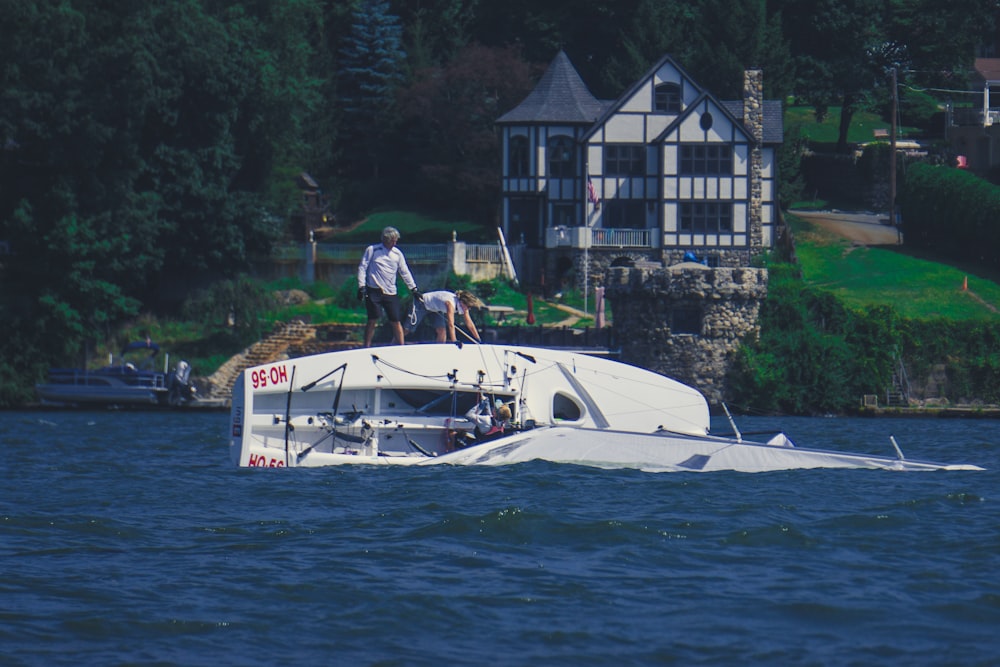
(943, 90)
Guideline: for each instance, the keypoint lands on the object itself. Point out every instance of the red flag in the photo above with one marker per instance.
(592, 193)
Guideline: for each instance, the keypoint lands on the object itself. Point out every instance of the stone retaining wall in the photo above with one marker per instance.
(686, 321)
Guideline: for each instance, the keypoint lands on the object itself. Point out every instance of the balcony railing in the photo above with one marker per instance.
(973, 117)
(620, 238)
(585, 237)
(483, 253)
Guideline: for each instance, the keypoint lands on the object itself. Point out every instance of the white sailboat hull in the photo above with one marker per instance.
(408, 405)
(620, 450)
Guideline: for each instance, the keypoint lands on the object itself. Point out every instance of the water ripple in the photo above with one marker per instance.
(128, 539)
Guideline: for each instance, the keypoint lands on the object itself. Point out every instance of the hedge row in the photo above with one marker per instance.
(952, 211)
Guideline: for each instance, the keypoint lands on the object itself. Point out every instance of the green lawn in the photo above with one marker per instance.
(916, 287)
(862, 130)
(414, 228)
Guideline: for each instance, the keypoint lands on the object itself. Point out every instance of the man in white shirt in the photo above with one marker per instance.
(377, 283)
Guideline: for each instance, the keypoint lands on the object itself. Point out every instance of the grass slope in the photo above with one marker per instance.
(862, 129)
(918, 287)
(414, 228)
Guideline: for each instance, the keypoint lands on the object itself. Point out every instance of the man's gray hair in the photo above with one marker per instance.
(390, 234)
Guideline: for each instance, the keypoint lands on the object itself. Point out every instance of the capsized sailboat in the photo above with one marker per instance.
(494, 405)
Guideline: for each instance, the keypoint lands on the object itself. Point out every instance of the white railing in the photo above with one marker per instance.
(620, 238)
(973, 116)
(482, 252)
(599, 237)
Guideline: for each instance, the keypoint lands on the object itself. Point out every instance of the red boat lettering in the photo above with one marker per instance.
(260, 461)
(264, 377)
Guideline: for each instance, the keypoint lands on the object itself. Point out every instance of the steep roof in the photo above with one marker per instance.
(613, 106)
(559, 97)
(986, 69)
(774, 132)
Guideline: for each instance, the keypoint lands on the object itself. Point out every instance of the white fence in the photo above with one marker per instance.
(337, 262)
(483, 253)
(620, 238)
(586, 237)
(430, 263)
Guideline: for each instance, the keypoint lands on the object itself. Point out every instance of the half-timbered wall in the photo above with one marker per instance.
(670, 165)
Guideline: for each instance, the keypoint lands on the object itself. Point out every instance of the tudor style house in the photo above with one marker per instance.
(664, 170)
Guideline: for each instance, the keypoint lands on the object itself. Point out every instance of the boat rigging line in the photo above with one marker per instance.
(343, 366)
(378, 360)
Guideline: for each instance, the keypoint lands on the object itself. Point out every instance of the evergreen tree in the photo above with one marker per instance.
(372, 68)
(451, 146)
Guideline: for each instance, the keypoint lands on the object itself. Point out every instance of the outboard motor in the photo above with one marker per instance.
(180, 390)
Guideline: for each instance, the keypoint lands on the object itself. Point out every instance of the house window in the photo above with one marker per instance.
(707, 217)
(519, 156)
(701, 159)
(684, 320)
(624, 214)
(562, 157)
(667, 98)
(624, 160)
(564, 215)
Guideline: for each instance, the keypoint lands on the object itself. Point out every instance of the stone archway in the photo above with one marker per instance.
(564, 273)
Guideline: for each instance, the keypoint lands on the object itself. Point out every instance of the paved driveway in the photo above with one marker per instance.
(860, 227)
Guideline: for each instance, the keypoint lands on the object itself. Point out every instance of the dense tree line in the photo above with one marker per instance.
(150, 148)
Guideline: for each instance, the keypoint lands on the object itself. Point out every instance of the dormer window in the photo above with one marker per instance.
(668, 98)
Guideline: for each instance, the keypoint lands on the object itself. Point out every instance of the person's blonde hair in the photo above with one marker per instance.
(390, 234)
(468, 299)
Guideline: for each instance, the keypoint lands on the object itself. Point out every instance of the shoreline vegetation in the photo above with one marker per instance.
(841, 317)
(849, 320)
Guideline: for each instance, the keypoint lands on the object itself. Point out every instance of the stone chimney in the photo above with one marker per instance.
(753, 120)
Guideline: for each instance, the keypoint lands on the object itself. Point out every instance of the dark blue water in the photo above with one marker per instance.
(127, 538)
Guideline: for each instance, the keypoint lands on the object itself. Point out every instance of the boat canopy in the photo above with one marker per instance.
(141, 345)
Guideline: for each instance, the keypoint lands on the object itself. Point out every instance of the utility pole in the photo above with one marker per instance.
(892, 162)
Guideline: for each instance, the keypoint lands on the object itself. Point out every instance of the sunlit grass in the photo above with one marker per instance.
(414, 228)
(917, 288)
(862, 130)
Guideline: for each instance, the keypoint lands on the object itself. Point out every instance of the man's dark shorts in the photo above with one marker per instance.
(377, 300)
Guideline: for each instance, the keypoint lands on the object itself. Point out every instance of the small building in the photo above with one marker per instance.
(314, 208)
(664, 170)
(973, 132)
